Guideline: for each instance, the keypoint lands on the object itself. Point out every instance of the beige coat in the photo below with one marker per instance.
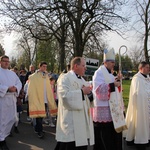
(74, 121)
(36, 95)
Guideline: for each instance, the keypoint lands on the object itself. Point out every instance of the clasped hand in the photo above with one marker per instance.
(12, 89)
(117, 83)
(86, 90)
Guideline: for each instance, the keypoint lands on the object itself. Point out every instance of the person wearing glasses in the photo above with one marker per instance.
(10, 86)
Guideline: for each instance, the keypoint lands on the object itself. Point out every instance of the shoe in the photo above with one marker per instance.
(35, 131)
(40, 135)
(52, 125)
(130, 143)
(3, 145)
(20, 121)
(46, 122)
(16, 130)
(29, 119)
(10, 134)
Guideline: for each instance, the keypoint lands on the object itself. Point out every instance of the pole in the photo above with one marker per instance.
(120, 71)
(120, 67)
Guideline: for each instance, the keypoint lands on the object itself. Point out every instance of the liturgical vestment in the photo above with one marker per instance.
(138, 112)
(8, 101)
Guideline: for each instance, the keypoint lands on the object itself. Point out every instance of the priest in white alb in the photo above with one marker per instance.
(107, 113)
(10, 86)
(138, 112)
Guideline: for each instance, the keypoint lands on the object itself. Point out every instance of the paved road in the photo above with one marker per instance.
(28, 140)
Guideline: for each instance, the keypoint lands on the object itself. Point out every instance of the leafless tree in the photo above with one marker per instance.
(2, 52)
(88, 19)
(136, 55)
(28, 45)
(39, 18)
(142, 24)
(78, 21)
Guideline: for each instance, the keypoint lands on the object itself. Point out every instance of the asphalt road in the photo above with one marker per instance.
(26, 139)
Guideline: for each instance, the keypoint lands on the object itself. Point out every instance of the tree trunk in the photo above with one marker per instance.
(62, 55)
(145, 47)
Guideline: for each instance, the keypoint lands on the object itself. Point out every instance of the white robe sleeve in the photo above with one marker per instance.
(3, 90)
(70, 98)
(18, 85)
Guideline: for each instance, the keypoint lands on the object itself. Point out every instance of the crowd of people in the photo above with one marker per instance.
(86, 113)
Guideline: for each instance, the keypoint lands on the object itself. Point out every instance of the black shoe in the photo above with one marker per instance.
(40, 135)
(130, 143)
(3, 145)
(35, 131)
(140, 146)
(10, 134)
(16, 130)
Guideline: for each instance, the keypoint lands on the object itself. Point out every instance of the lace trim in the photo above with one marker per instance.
(102, 92)
(101, 114)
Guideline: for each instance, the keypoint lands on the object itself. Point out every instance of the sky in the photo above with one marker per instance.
(114, 41)
(8, 44)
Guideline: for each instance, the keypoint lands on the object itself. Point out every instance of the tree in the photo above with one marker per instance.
(136, 56)
(13, 62)
(126, 63)
(46, 51)
(143, 21)
(79, 23)
(40, 19)
(22, 62)
(27, 45)
(88, 19)
(2, 52)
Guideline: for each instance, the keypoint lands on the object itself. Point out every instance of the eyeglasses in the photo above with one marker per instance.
(5, 61)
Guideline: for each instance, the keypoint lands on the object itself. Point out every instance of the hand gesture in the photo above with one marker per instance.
(12, 89)
(86, 90)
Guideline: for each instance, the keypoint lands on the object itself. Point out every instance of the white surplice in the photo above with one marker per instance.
(115, 100)
(74, 122)
(138, 112)
(8, 101)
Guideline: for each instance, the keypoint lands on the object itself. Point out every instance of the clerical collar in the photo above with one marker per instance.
(108, 70)
(79, 77)
(43, 73)
(144, 75)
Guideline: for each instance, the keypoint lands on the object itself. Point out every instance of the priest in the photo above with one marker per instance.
(138, 112)
(74, 129)
(10, 86)
(108, 115)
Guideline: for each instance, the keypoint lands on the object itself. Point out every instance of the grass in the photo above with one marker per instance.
(126, 89)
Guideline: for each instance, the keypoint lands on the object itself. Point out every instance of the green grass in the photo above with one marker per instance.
(126, 89)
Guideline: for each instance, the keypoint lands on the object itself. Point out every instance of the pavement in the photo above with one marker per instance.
(26, 139)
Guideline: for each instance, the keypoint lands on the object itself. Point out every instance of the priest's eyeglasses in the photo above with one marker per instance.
(5, 61)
